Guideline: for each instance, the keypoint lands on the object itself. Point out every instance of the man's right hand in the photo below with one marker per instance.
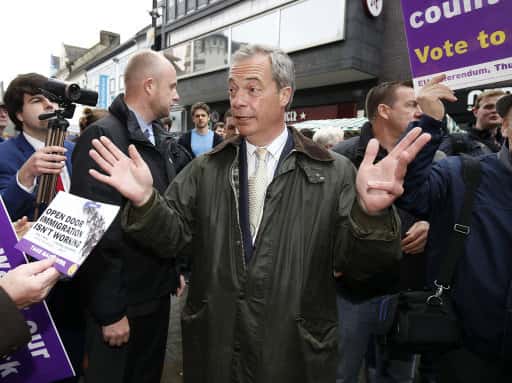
(130, 176)
(430, 96)
(30, 283)
(47, 160)
(117, 334)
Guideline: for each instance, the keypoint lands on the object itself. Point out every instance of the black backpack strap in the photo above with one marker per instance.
(471, 173)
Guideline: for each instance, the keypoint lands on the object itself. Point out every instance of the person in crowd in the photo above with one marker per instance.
(219, 129)
(25, 157)
(483, 276)
(328, 137)
(280, 214)
(127, 289)
(200, 139)
(229, 125)
(4, 119)
(166, 123)
(390, 107)
(19, 288)
(90, 115)
(22, 160)
(485, 136)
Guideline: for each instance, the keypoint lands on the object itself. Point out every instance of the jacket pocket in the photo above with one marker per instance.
(318, 342)
(194, 328)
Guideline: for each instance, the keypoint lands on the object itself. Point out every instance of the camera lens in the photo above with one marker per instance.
(73, 92)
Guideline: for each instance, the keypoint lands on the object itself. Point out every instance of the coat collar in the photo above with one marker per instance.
(121, 111)
(505, 156)
(301, 144)
(364, 138)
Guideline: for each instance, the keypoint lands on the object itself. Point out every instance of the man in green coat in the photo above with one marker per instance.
(269, 215)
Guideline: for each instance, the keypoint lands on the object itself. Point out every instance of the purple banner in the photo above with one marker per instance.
(470, 40)
(44, 359)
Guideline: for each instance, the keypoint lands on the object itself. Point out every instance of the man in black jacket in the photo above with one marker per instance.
(484, 137)
(390, 107)
(127, 292)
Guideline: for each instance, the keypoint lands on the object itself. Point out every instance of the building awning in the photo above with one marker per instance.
(345, 124)
(353, 125)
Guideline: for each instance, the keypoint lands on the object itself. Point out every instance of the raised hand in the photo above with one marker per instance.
(430, 96)
(130, 176)
(378, 185)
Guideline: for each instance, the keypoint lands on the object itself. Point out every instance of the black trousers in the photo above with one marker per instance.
(140, 360)
(462, 366)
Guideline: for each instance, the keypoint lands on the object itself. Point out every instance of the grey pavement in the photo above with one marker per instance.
(173, 357)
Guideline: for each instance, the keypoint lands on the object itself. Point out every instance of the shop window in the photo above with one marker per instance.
(191, 6)
(207, 58)
(310, 23)
(181, 58)
(180, 8)
(171, 10)
(112, 85)
(262, 30)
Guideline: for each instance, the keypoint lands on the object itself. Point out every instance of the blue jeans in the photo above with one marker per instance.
(357, 323)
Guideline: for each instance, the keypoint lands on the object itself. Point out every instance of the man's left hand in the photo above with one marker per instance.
(415, 239)
(22, 226)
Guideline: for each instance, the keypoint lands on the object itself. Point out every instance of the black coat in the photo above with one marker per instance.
(186, 141)
(474, 143)
(120, 277)
(14, 332)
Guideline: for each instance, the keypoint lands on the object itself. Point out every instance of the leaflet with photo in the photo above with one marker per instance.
(68, 230)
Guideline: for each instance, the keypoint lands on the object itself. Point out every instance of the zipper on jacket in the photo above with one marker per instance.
(232, 183)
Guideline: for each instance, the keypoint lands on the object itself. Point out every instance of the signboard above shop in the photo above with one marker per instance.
(468, 40)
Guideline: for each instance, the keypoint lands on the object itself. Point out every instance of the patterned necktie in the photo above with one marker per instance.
(257, 188)
(148, 135)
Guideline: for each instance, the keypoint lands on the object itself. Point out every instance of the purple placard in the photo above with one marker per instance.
(473, 45)
(44, 359)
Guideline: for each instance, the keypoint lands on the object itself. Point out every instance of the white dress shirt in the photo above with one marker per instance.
(274, 150)
(146, 127)
(64, 174)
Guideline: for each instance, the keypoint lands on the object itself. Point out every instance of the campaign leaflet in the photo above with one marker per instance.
(68, 230)
(468, 41)
(44, 359)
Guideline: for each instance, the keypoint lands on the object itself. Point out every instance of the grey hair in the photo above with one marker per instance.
(283, 70)
(329, 136)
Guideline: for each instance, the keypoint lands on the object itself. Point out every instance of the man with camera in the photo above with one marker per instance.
(25, 157)
(22, 160)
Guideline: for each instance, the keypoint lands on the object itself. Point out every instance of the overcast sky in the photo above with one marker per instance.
(32, 30)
